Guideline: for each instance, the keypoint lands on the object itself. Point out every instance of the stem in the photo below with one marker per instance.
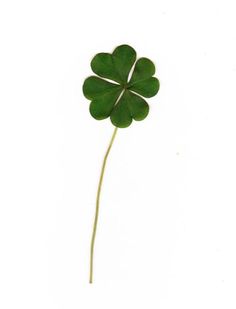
(97, 205)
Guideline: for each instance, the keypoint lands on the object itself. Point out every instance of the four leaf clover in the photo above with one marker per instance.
(121, 100)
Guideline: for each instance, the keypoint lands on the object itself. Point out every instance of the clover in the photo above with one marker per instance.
(117, 92)
(122, 101)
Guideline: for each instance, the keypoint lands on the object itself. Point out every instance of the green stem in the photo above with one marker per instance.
(97, 205)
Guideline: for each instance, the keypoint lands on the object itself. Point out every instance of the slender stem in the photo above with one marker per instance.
(97, 205)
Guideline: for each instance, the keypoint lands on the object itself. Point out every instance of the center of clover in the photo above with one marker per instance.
(125, 86)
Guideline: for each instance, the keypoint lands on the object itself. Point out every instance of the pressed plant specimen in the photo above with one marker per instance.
(121, 100)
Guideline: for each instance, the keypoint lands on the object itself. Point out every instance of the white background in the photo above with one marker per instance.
(167, 234)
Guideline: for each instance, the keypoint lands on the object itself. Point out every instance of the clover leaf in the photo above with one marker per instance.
(122, 99)
(117, 92)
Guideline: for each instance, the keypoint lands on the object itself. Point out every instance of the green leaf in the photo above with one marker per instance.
(94, 87)
(103, 65)
(144, 68)
(120, 115)
(121, 101)
(101, 107)
(146, 87)
(115, 66)
(124, 57)
(138, 106)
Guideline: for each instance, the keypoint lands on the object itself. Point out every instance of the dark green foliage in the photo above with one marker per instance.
(118, 100)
